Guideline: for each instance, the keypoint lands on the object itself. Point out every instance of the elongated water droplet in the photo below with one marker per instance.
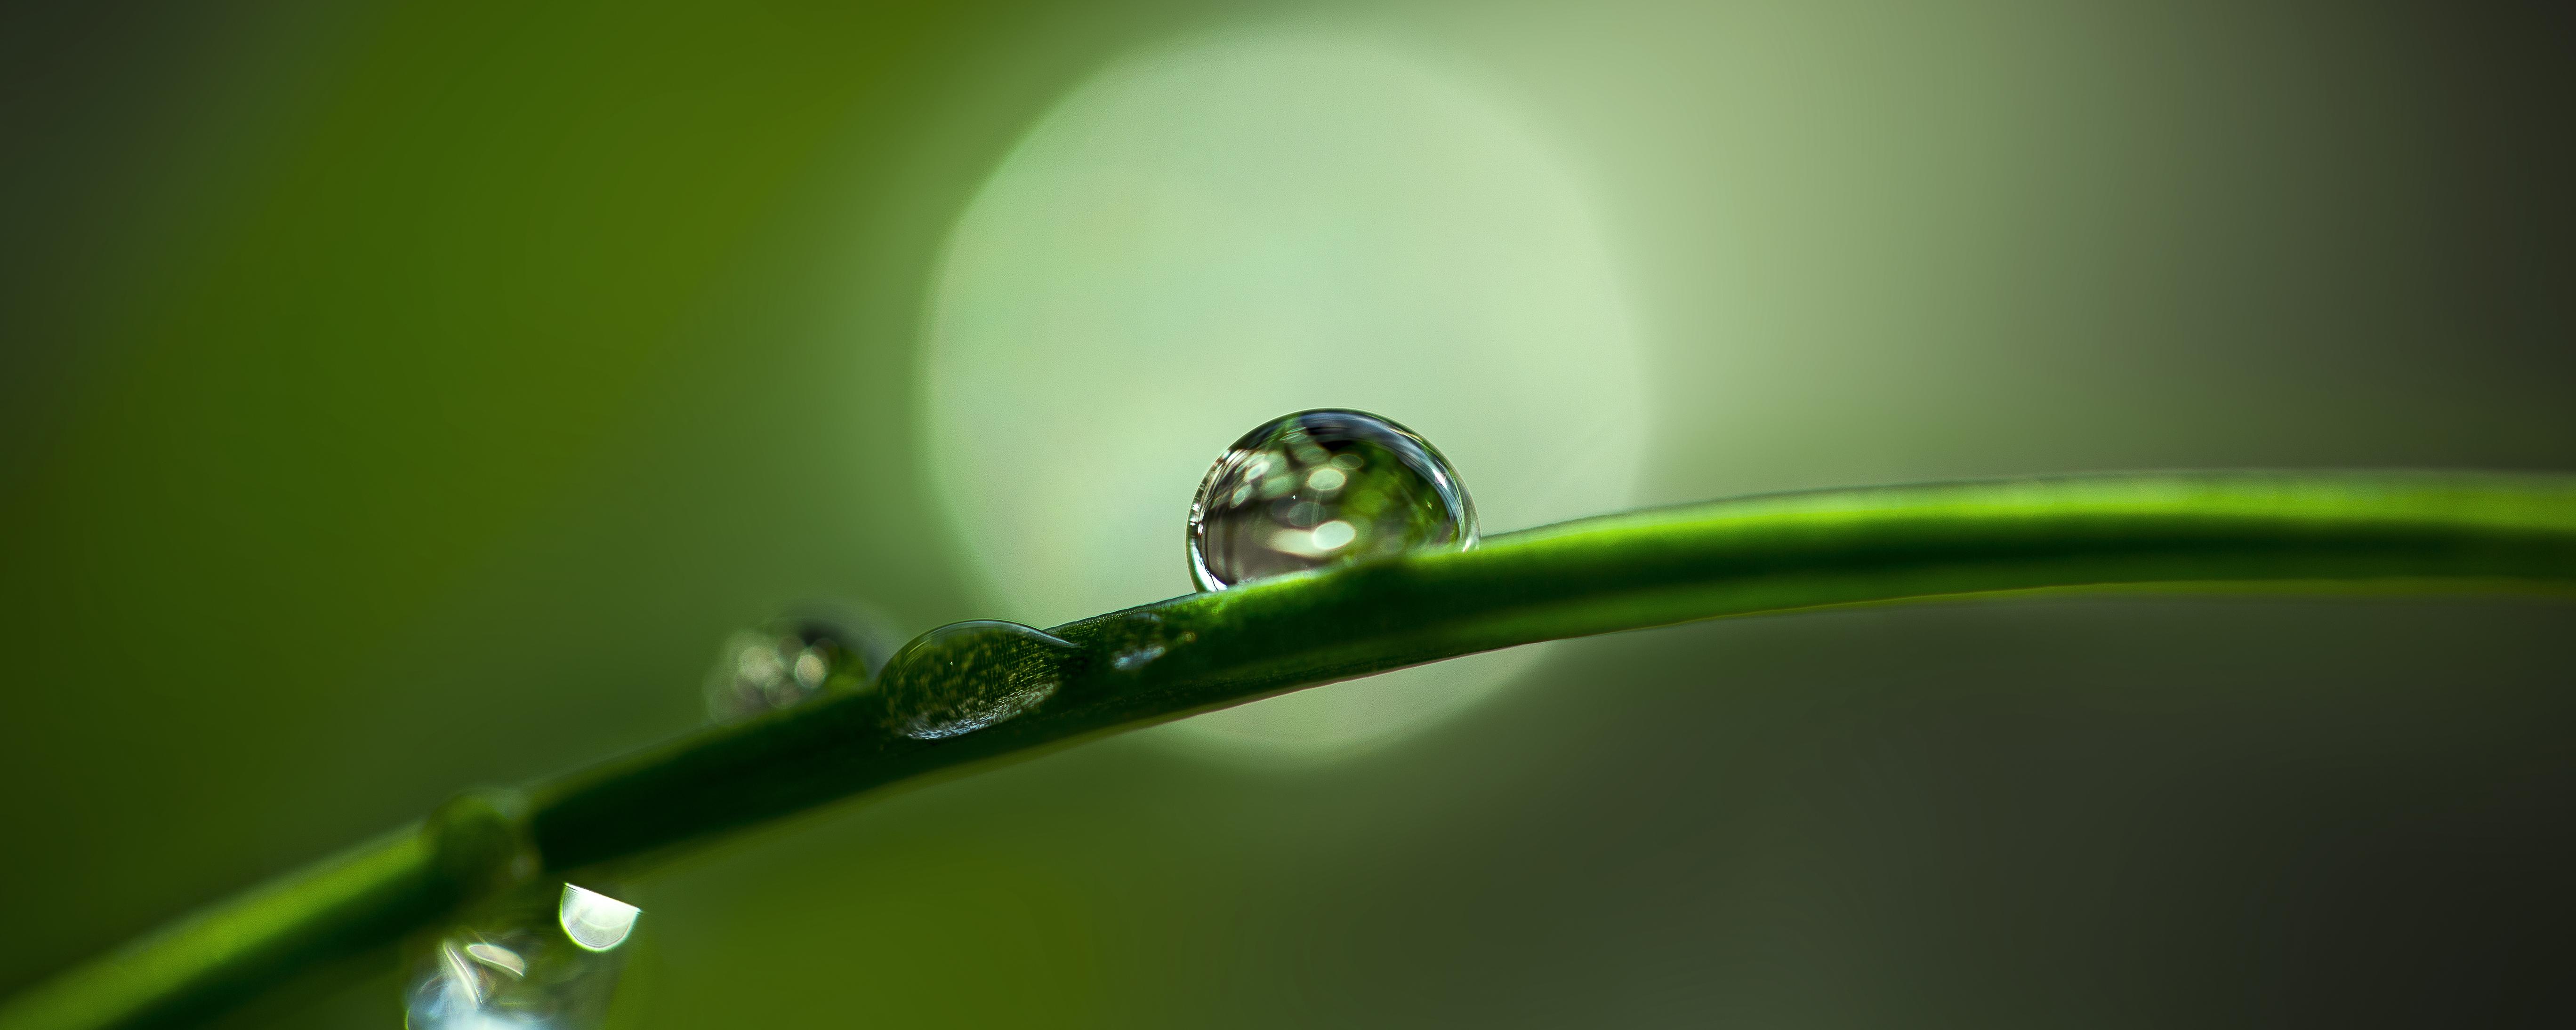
(1321, 488)
(530, 959)
(790, 660)
(965, 676)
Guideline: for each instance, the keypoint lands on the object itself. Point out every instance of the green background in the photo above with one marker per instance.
(398, 397)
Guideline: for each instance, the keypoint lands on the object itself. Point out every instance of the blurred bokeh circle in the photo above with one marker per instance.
(1209, 234)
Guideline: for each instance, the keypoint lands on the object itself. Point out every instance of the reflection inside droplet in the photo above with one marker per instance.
(1137, 658)
(1334, 486)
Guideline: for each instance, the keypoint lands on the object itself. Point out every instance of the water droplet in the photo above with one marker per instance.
(965, 676)
(531, 959)
(594, 920)
(788, 661)
(1321, 488)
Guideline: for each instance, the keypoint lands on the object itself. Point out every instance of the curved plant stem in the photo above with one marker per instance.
(2414, 532)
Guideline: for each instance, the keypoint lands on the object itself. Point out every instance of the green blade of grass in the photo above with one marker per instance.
(2405, 532)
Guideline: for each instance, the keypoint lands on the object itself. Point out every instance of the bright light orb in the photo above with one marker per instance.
(1208, 235)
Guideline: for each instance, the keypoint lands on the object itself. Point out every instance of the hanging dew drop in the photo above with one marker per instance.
(966, 676)
(1324, 487)
(530, 959)
(593, 920)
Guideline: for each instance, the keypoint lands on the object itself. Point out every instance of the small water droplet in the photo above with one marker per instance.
(530, 959)
(965, 676)
(594, 920)
(790, 660)
(1321, 488)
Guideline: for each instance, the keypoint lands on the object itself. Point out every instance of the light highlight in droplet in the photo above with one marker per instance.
(498, 957)
(594, 920)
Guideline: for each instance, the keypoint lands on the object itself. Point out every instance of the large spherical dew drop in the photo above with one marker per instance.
(1319, 488)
